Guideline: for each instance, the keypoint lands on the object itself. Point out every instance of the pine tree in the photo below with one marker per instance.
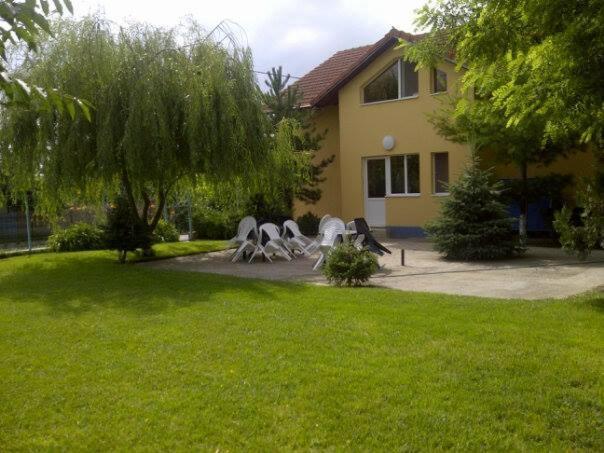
(473, 223)
(283, 102)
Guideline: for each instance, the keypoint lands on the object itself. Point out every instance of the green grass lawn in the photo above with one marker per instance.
(172, 249)
(96, 355)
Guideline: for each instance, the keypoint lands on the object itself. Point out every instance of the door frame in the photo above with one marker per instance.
(366, 197)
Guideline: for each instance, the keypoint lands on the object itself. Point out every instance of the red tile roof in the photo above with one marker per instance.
(319, 85)
(329, 72)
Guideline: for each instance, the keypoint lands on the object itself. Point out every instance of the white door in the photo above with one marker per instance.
(375, 191)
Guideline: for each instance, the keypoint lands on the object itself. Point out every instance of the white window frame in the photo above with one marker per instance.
(389, 192)
(401, 82)
(388, 177)
(434, 181)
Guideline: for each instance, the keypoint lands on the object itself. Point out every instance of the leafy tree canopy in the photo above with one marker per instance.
(171, 106)
(25, 23)
(532, 58)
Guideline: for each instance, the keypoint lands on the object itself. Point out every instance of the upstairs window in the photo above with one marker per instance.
(384, 87)
(439, 81)
(398, 81)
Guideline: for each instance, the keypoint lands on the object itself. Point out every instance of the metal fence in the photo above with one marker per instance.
(21, 228)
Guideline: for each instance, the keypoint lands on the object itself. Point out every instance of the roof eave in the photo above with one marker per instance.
(329, 96)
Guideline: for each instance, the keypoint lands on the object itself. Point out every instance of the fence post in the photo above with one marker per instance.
(190, 218)
(27, 221)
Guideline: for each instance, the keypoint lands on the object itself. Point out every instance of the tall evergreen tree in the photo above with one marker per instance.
(283, 103)
(473, 223)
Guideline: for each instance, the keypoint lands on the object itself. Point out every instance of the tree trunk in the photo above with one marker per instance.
(522, 220)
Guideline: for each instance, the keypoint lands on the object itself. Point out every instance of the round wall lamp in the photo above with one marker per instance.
(388, 142)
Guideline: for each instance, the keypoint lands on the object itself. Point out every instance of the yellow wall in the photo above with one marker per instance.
(579, 164)
(362, 127)
(329, 203)
(356, 131)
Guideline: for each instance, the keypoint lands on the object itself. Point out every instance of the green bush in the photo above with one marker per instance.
(347, 265)
(309, 224)
(125, 232)
(216, 225)
(165, 232)
(582, 237)
(79, 236)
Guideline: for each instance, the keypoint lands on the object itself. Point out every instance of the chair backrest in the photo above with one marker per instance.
(291, 229)
(331, 232)
(322, 222)
(351, 226)
(271, 230)
(338, 221)
(246, 225)
(368, 239)
(361, 226)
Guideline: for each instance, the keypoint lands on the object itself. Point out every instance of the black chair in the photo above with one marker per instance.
(368, 240)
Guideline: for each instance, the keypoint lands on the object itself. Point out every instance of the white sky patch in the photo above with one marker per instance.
(297, 35)
(300, 36)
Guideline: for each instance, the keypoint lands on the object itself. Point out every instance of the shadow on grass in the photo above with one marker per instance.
(77, 283)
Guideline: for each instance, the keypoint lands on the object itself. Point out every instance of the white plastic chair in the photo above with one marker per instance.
(322, 222)
(246, 225)
(296, 240)
(338, 221)
(247, 232)
(273, 244)
(332, 232)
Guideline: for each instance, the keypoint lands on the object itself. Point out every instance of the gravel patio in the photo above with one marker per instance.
(541, 273)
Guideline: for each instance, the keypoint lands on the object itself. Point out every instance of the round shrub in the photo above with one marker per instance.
(309, 224)
(79, 236)
(165, 232)
(347, 265)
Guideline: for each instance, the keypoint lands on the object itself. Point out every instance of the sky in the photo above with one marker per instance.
(297, 35)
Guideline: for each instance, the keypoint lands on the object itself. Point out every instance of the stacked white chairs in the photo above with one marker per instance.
(333, 229)
(296, 240)
(322, 222)
(245, 240)
(269, 242)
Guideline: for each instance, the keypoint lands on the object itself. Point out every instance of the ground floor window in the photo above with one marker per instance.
(440, 173)
(393, 175)
(404, 174)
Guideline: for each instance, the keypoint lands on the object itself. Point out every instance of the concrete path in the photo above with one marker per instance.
(541, 273)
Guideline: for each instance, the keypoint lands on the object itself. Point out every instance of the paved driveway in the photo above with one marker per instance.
(541, 273)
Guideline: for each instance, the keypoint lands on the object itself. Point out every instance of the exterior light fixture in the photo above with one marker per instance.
(388, 142)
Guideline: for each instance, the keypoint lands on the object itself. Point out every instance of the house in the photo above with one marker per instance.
(390, 166)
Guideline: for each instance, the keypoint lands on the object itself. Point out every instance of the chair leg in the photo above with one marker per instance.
(254, 253)
(238, 253)
(319, 262)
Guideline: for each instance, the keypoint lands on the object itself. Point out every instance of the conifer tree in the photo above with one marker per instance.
(473, 223)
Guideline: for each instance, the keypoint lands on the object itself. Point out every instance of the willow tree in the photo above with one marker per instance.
(169, 107)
